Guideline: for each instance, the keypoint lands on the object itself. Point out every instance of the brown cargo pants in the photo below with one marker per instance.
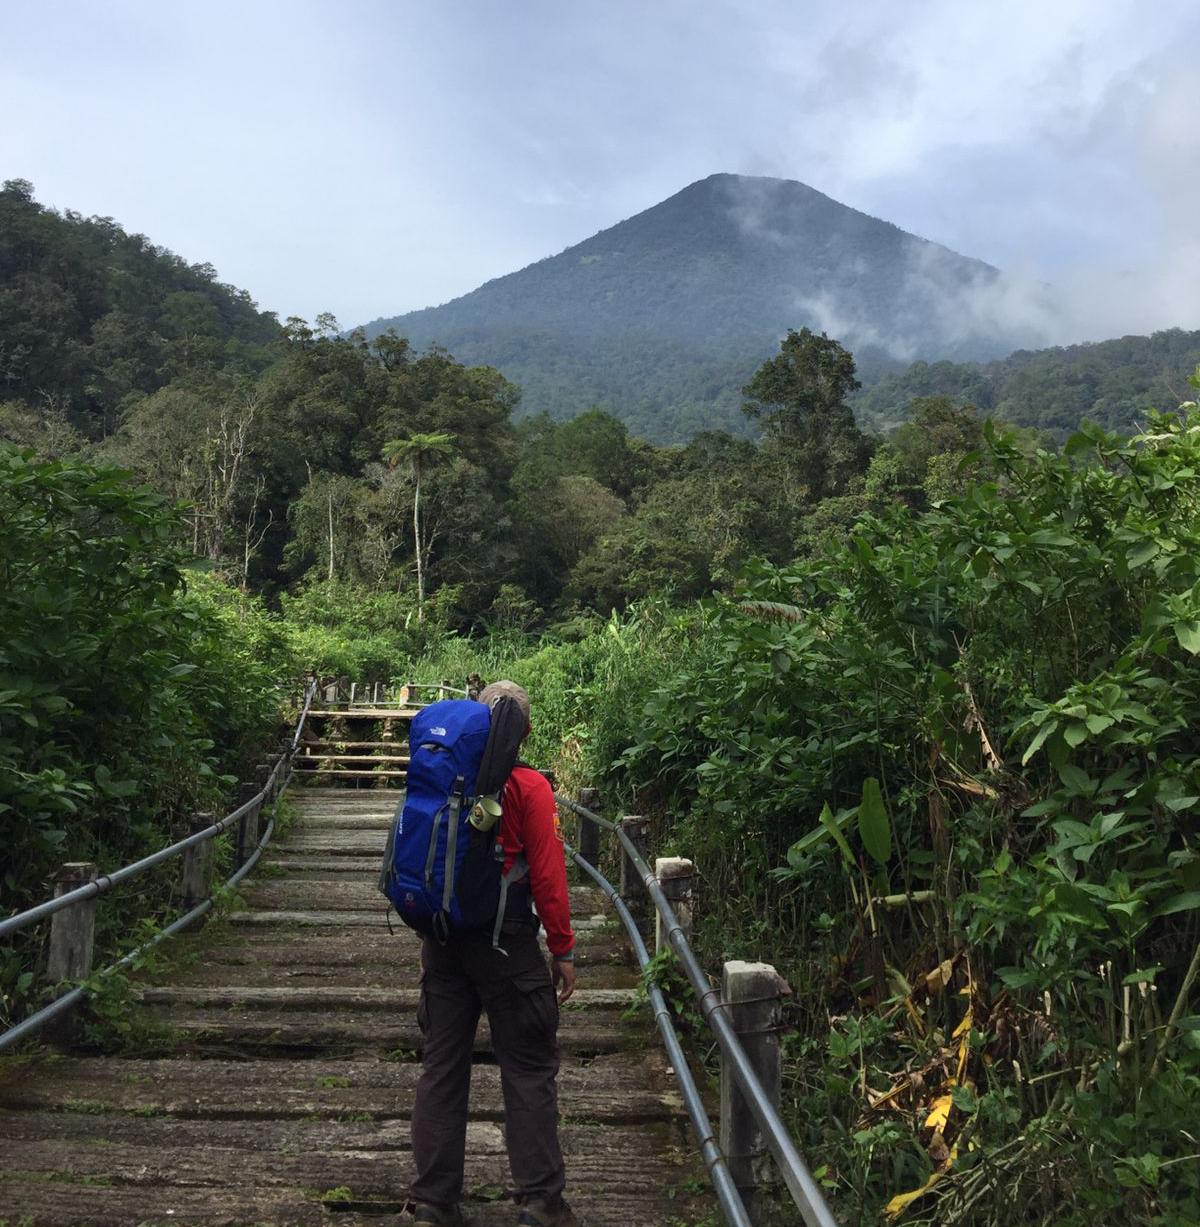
(460, 979)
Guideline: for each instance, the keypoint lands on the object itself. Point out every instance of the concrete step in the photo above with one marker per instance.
(359, 957)
(342, 892)
(305, 760)
(73, 1168)
(315, 747)
(376, 919)
(319, 773)
(264, 1032)
(622, 1088)
(323, 998)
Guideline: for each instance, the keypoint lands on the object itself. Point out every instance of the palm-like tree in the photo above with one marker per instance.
(419, 452)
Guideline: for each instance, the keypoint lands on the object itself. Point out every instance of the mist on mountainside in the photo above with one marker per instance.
(662, 317)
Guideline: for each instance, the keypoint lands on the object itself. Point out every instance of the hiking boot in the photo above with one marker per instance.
(425, 1215)
(542, 1213)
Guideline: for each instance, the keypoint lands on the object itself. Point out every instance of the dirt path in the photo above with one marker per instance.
(286, 1092)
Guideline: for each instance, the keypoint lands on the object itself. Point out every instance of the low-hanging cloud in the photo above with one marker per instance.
(1148, 113)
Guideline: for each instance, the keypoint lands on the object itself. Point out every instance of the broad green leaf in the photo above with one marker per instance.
(874, 825)
(1036, 744)
(1186, 901)
(1075, 733)
(1075, 778)
(1188, 634)
(1181, 803)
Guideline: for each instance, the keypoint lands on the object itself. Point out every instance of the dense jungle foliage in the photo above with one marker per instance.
(129, 699)
(298, 453)
(91, 316)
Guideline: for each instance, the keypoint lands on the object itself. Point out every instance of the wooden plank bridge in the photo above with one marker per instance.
(281, 1089)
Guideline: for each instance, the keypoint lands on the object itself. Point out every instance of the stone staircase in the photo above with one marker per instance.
(284, 1093)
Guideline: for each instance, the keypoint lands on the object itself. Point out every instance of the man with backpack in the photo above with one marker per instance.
(473, 962)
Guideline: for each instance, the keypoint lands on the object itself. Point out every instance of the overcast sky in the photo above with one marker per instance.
(368, 158)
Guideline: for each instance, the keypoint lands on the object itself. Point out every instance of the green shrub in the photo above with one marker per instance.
(126, 699)
(965, 740)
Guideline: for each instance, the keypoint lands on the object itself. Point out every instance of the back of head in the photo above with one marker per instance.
(507, 690)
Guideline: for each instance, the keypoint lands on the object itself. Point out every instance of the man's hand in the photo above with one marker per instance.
(562, 972)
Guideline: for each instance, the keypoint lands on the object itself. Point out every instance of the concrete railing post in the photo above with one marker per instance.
(587, 833)
(676, 877)
(752, 994)
(197, 865)
(72, 944)
(247, 833)
(633, 891)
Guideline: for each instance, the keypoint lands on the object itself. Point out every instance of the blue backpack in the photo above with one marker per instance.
(443, 870)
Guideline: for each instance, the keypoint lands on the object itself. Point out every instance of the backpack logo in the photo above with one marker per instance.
(438, 732)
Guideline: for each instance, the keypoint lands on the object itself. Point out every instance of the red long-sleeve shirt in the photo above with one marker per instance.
(530, 825)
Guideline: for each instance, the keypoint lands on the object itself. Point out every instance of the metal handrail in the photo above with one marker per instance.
(103, 884)
(273, 788)
(732, 1206)
(803, 1188)
(61, 1005)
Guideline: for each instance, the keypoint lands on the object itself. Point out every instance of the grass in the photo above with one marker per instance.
(87, 1107)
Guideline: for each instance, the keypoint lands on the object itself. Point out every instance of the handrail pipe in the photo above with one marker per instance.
(728, 1196)
(803, 1188)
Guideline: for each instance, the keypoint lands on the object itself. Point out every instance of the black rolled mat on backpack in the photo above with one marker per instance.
(505, 735)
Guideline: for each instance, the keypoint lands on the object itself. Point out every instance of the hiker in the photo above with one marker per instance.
(468, 972)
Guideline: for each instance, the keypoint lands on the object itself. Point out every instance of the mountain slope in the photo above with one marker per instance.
(664, 316)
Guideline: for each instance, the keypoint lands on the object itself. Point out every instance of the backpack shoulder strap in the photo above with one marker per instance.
(517, 871)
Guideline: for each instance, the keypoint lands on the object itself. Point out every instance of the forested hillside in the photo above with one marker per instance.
(1112, 383)
(662, 318)
(91, 316)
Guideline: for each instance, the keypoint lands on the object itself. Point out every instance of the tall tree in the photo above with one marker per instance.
(799, 396)
(419, 451)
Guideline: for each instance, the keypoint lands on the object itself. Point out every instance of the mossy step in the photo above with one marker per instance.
(338, 955)
(337, 997)
(619, 1088)
(340, 891)
(331, 918)
(258, 1031)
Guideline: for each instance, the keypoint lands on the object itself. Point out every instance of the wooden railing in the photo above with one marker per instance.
(343, 696)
